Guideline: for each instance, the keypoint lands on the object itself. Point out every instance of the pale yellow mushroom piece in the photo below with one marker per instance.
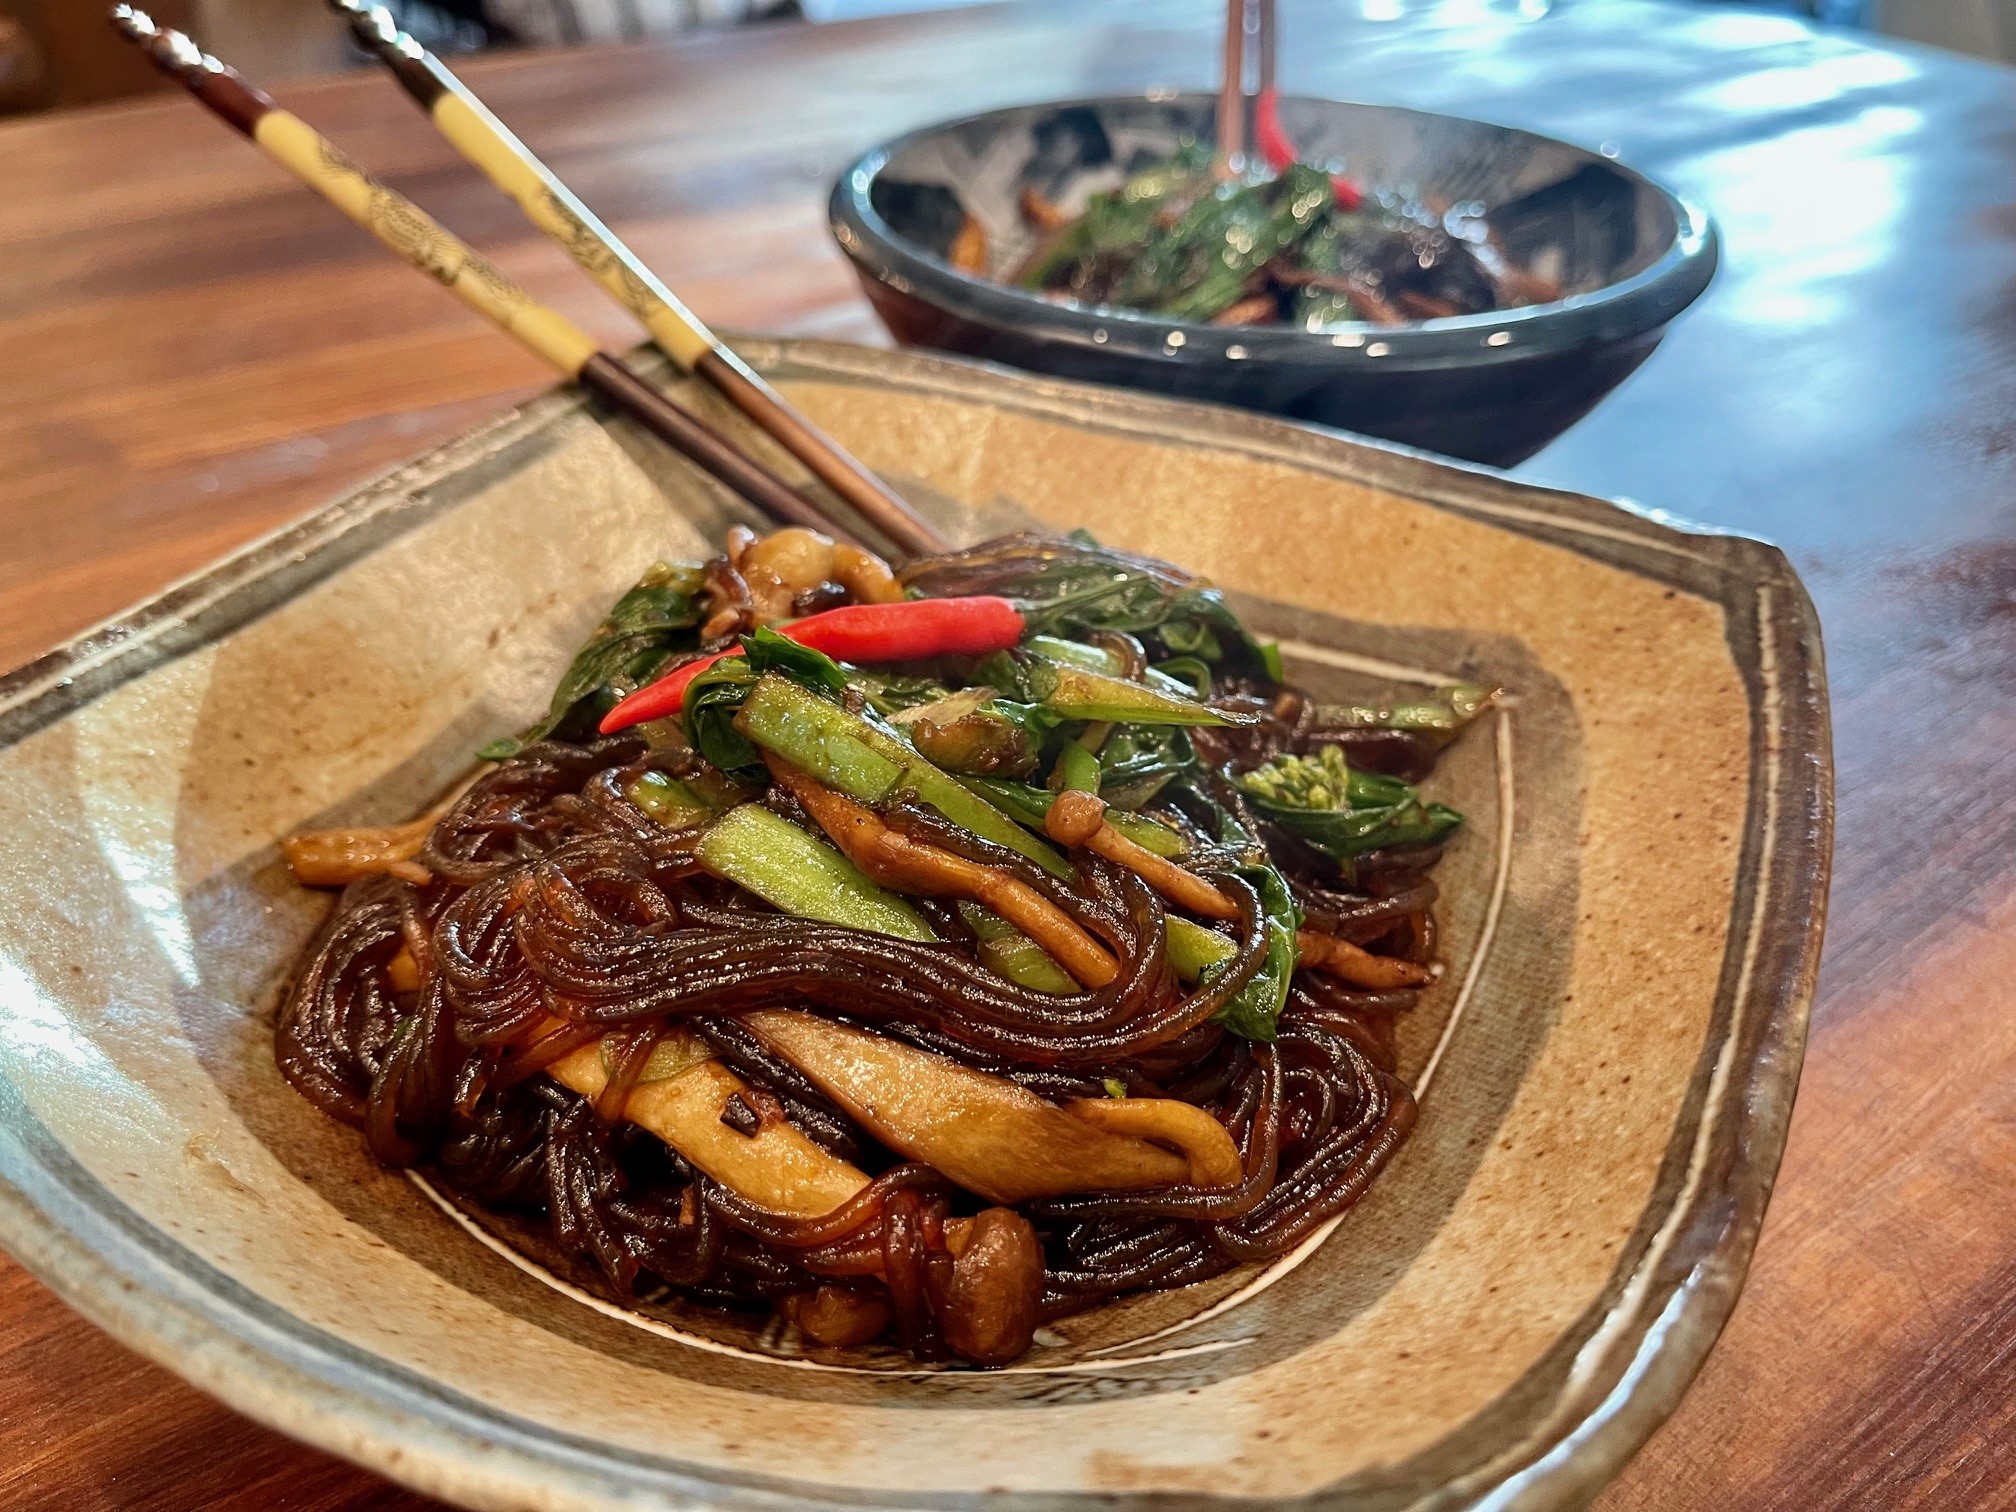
(338, 857)
(1213, 1157)
(776, 1167)
(865, 576)
(902, 864)
(984, 1132)
(1357, 965)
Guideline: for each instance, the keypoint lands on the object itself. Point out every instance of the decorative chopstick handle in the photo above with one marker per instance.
(490, 145)
(423, 243)
(401, 225)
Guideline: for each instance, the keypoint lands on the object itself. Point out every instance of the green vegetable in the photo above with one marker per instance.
(1148, 833)
(1008, 952)
(1189, 163)
(671, 802)
(1341, 811)
(714, 698)
(965, 732)
(1336, 243)
(889, 694)
(1193, 949)
(1151, 836)
(1441, 718)
(1031, 806)
(1077, 693)
(1201, 264)
(1112, 231)
(1116, 226)
(1193, 672)
(1256, 1008)
(1114, 1086)
(1073, 653)
(869, 762)
(834, 746)
(641, 632)
(1097, 659)
(803, 875)
(1079, 769)
(1139, 762)
(767, 651)
(981, 743)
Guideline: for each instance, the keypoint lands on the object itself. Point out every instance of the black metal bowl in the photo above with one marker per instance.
(1493, 388)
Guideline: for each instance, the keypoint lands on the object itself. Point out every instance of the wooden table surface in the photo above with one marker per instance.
(198, 353)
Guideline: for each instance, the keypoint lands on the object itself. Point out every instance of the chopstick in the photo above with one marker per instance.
(1232, 93)
(1235, 105)
(550, 205)
(424, 244)
(1263, 46)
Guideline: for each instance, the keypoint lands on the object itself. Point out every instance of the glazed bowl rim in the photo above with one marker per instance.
(1643, 302)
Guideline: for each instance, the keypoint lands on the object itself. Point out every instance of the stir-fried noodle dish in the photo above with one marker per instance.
(917, 956)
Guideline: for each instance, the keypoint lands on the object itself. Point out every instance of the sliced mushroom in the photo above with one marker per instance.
(839, 1316)
(896, 861)
(1357, 965)
(984, 1132)
(1213, 1158)
(865, 576)
(775, 1167)
(1079, 819)
(338, 857)
(783, 565)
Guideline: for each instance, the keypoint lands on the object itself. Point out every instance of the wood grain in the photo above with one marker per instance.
(202, 353)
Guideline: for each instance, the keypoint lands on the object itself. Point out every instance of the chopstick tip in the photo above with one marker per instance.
(373, 24)
(171, 51)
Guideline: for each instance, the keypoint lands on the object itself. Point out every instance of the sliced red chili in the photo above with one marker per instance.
(913, 630)
(1271, 137)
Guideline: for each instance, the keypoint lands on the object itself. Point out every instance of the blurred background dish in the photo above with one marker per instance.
(1493, 387)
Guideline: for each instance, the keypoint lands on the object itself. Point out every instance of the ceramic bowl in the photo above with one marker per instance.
(1492, 388)
(1630, 922)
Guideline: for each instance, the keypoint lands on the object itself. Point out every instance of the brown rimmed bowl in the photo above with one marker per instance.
(1631, 922)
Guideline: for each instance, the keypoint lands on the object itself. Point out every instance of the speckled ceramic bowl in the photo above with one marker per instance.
(1492, 388)
(1631, 921)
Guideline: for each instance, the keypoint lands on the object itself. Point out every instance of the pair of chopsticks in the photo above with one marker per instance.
(1249, 39)
(427, 246)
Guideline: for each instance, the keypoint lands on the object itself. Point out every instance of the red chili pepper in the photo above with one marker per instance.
(658, 699)
(1272, 139)
(912, 629)
(909, 631)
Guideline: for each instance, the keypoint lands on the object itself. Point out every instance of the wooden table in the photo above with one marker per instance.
(198, 353)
